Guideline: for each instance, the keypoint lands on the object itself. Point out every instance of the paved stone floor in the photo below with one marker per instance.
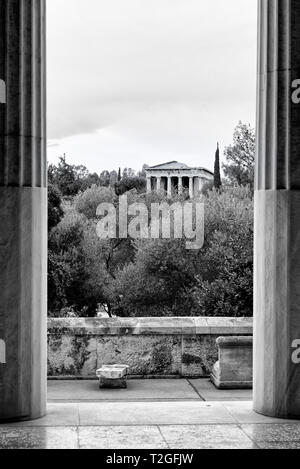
(143, 390)
(80, 416)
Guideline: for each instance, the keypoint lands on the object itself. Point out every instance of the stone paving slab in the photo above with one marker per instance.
(275, 436)
(131, 414)
(273, 433)
(146, 437)
(153, 413)
(207, 437)
(38, 438)
(210, 393)
(58, 415)
(281, 445)
(174, 425)
(256, 436)
(137, 390)
(243, 413)
(150, 413)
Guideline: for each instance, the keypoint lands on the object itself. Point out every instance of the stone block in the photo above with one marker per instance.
(106, 383)
(157, 326)
(112, 371)
(229, 326)
(113, 376)
(234, 369)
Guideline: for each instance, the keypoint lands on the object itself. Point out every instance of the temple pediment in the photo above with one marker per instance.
(169, 166)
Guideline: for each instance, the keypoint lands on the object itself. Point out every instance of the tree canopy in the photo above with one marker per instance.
(240, 156)
(152, 277)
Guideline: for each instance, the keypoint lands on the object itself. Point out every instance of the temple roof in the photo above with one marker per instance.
(174, 165)
(170, 165)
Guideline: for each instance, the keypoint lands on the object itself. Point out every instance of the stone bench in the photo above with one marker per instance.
(234, 369)
(113, 376)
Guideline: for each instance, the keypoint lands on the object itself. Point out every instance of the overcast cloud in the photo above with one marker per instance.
(148, 81)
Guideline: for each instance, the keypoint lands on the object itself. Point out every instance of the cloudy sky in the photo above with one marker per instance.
(148, 81)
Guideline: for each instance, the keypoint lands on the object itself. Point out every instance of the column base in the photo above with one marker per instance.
(23, 303)
(277, 304)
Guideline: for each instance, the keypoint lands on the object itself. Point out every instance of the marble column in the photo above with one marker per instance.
(149, 185)
(277, 213)
(191, 188)
(199, 185)
(23, 211)
(158, 184)
(180, 185)
(169, 190)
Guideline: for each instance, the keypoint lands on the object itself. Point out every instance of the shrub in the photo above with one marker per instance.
(66, 263)
(86, 203)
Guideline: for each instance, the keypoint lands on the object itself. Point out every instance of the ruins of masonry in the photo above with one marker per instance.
(174, 177)
(23, 211)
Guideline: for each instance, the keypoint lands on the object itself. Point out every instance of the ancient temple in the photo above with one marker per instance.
(174, 177)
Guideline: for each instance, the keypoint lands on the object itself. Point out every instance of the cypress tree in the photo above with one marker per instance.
(217, 173)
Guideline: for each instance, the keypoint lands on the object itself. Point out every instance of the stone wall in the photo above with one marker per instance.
(152, 347)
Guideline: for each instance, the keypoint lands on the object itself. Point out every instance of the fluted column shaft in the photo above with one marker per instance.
(158, 184)
(277, 212)
(191, 187)
(180, 185)
(169, 188)
(23, 209)
(149, 185)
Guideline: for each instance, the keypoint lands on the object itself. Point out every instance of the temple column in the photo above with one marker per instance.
(199, 185)
(191, 188)
(149, 185)
(23, 211)
(169, 190)
(158, 185)
(180, 185)
(277, 213)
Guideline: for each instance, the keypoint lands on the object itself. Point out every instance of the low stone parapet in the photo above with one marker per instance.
(234, 368)
(151, 347)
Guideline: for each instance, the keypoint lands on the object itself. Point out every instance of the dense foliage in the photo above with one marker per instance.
(155, 277)
(240, 156)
